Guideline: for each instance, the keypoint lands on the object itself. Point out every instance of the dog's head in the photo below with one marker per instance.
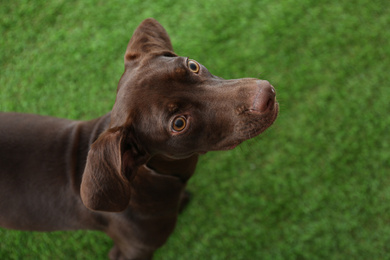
(171, 106)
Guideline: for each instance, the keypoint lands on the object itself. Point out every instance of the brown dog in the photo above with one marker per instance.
(125, 173)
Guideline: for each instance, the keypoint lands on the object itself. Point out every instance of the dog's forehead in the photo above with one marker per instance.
(162, 72)
(163, 64)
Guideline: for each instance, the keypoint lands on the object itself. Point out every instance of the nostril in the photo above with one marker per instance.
(270, 90)
(265, 98)
(270, 103)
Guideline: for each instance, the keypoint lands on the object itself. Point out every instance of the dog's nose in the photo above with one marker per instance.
(265, 100)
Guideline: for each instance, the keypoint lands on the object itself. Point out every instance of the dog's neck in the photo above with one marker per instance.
(181, 168)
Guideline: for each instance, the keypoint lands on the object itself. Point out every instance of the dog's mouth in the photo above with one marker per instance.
(261, 122)
(260, 115)
(252, 124)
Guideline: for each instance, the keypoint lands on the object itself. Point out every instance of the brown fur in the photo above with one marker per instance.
(125, 173)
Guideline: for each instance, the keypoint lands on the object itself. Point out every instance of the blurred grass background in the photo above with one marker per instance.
(314, 186)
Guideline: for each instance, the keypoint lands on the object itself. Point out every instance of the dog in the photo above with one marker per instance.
(125, 173)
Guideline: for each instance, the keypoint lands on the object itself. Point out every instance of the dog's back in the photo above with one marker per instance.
(40, 163)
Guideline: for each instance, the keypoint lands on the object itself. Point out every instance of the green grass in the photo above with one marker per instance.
(314, 186)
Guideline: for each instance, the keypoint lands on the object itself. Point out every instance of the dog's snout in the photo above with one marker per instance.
(265, 98)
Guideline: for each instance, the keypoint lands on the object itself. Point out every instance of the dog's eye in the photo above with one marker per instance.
(179, 123)
(193, 66)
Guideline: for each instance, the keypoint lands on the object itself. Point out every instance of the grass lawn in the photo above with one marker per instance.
(316, 185)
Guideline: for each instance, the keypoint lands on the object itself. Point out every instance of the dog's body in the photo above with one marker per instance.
(125, 173)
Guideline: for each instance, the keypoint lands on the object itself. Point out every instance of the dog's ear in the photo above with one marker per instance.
(149, 37)
(111, 164)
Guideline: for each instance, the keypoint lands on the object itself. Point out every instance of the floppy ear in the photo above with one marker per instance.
(149, 37)
(111, 164)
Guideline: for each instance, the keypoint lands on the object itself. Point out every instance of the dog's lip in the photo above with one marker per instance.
(234, 145)
(274, 108)
(272, 114)
(272, 119)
